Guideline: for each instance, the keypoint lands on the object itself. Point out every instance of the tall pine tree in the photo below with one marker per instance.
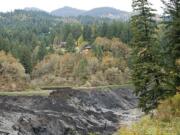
(70, 46)
(172, 15)
(25, 59)
(147, 74)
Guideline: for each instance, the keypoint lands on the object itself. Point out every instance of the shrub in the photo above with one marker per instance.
(93, 65)
(119, 49)
(113, 76)
(98, 79)
(169, 108)
(103, 42)
(80, 69)
(46, 66)
(108, 62)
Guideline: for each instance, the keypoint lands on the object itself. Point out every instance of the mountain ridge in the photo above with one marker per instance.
(67, 11)
(32, 9)
(103, 12)
(108, 12)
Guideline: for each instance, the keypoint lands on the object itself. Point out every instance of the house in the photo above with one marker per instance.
(60, 45)
(85, 49)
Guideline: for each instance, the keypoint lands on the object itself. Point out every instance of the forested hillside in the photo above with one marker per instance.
(102, 12)
(35, 38)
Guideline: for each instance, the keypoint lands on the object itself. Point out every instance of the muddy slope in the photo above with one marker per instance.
(66, 112)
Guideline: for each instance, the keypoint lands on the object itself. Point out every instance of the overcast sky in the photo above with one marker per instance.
(49, 5)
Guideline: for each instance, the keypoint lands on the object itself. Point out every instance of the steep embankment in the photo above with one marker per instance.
(66, 112)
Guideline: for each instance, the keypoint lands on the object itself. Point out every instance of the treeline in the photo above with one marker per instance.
(156, 53)
(30, 35)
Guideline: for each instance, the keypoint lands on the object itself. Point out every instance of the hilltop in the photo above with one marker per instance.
(103, 12)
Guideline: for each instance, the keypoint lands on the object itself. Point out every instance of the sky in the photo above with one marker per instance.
(49, 5)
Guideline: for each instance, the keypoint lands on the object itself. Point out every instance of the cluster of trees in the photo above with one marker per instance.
(21, 32)
(156, 55)
(109, 30)
(90, 69)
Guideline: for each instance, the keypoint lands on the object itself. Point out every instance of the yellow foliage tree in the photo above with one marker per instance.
(12, 73)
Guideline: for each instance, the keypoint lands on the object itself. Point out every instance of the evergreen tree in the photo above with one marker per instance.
(25, 59)
(104, 29)
(42, 52)
(98, 51)
(147, 74)
(70, 46)
(87, 33)
(172, 12)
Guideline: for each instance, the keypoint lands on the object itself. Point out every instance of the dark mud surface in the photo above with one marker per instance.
(67, 112)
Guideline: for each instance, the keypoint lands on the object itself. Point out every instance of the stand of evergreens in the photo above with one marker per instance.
(153, 77)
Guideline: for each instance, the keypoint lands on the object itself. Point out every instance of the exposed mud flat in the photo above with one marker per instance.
(67, 112)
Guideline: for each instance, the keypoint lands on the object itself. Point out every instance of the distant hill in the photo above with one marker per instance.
(103, 12)
(32, 9)
(108, 12)
(67, 11)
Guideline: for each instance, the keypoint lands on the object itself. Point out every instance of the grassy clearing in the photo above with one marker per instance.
(127, 86)
(149, 126)
(26, 93)
(55, 87)
(165, 122)
(46, 90)
(124, 86)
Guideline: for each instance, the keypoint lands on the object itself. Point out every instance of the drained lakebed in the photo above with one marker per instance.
(68, 111)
